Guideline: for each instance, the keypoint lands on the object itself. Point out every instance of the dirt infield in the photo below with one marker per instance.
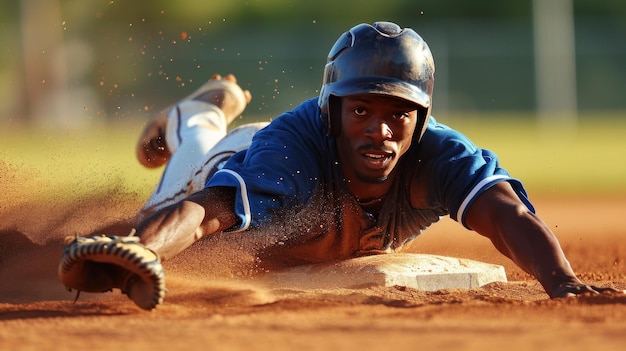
(211, 305)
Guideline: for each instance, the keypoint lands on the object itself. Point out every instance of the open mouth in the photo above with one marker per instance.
(377, 160)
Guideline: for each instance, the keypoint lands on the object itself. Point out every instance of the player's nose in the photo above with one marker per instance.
(378, 130)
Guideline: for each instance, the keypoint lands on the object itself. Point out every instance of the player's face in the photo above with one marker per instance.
(376, 130)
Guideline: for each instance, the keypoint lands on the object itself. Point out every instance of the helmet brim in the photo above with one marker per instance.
(381, 86)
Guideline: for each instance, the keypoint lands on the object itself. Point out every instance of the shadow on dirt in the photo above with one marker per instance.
(28, 270)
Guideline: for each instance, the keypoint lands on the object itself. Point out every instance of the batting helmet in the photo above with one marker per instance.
(378, 59)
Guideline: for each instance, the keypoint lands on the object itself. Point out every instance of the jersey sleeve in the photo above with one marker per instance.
(461, 171)
(282, 167)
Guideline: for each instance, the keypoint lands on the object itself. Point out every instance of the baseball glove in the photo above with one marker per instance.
(102, 263)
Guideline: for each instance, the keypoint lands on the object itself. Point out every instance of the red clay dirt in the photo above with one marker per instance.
(212, 304)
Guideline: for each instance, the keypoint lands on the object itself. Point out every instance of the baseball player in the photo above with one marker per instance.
(361, 169)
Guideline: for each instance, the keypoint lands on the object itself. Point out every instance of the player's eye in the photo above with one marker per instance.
(400, 115)
(359, 111)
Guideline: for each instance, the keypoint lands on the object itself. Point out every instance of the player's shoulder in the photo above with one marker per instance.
(300, 126)
(304, 118)
(439, 135)
(307, 110)
(443, 143)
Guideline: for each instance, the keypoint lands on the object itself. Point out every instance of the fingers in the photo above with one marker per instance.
(607, 290)
(572, 290)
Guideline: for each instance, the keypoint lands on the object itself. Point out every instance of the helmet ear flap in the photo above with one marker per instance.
(333, 117)
(422, 121)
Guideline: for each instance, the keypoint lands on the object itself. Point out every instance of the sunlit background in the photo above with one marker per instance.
(72, 65)
(67, 63)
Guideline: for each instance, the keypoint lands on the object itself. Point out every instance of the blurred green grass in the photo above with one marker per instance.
(551, 160)
(78, 162)
(582, 159)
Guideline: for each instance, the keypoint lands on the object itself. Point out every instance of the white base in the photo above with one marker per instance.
(418, 271)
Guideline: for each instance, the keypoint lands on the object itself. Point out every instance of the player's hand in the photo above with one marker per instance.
(575, 289)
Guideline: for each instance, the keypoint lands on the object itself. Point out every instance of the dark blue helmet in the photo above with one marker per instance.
(378, 59)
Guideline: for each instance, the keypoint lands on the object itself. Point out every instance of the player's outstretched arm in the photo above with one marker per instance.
(523, 237)
(174, 228)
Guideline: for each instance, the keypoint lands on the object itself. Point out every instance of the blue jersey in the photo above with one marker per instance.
(291, 174)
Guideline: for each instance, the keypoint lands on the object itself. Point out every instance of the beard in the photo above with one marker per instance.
(371, 180)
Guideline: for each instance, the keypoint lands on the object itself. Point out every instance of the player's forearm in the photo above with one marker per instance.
(218, 204)
(172, 229)
(535, 249)
(522, 236)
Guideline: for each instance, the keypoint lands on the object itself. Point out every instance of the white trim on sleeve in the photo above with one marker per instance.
(247, 216)
(468, 199)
